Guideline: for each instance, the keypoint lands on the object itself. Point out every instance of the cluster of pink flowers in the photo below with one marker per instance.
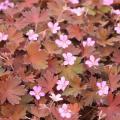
(3, 37)
(6, 4)
(103, 88)
(32, 36)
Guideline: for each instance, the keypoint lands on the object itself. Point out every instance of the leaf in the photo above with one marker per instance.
(37, 57)
(11, 90)
(116, 56)
(15, 38)
(71, 71)
(105, 9)
(16, 112)
(41, 111)
(48, 81)
(75, 50)
(35, 15)
(55, 7)
(113, 109)
(114, 81)
(51, 47)
(91, 11)
(89, 97)
(75, 108)
(75, 31)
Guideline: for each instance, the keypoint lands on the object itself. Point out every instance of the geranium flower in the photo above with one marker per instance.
(117, 28)
(54, 27)
(108, 2)
(6, 4)
(55, 98)
(78, 11)
(64, 111)
(117, 12)
(92, 61)
(37, 92)
(63, 41)
(88, 42)
(3, 37)
(32, 35)
(69, 59)
(103, 88)
(74, 1)
(62, 83)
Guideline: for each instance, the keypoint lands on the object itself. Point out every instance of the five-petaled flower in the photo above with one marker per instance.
(117, 28)
(69, 59)
(62, 83)
(78, 11)
(89, 42)
(6, 4)
(64, 111)
(116, 12)
(32, 35)
(74, 1)
(103, 88)
(55, 98)
(108, 2)
(63, 41)
(92, 61)
(37, 92)
(54, 27)
(3, 37)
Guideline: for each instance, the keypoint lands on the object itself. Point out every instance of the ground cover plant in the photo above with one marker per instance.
(60, 60)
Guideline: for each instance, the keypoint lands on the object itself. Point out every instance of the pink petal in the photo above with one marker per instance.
(37, 97)
(50, 24)
(89, 63)
(92, 58)
(32, 93)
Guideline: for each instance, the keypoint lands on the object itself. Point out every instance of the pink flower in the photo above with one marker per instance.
(92, 61)
(56, 98)
(9, 4)
(3, 37)
(6, 4)
(78, 11)
(69, 59)
(103, 88)
(64, 111)
(117, 12)
(54, 27)
(62, 83)
(108, 2)
(37, 92)
(89, 42)
(63, 41)
(32, 35)
(74, 1)
(117, 28)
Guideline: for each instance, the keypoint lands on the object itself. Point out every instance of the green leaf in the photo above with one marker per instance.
(71, 92)
(105, 9)
(71, 71)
